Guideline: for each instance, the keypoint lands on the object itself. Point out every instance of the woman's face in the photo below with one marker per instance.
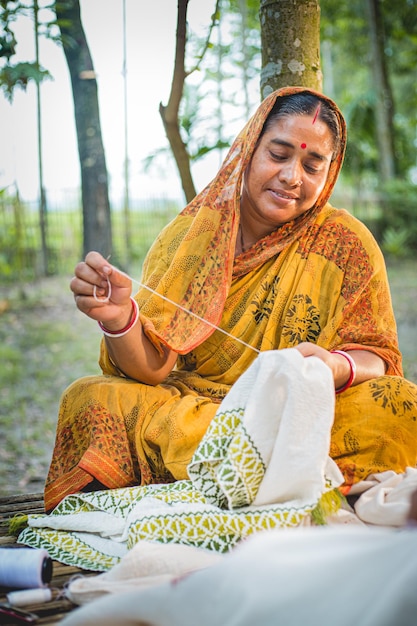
(288, 170)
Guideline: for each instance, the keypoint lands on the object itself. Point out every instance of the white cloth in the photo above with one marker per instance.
(332, 575)
(264, 454)
(147, 564)
(280, 413)
(263, 463)
(386, 501)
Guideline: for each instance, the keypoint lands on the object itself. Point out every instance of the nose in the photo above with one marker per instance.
(291, 173)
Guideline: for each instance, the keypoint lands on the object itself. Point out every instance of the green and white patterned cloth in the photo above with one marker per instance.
(263, 464)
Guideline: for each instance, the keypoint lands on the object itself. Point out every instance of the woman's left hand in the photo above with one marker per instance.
(337, 363)
(368, 364)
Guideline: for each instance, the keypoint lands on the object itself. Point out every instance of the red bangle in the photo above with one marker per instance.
(133, 319)
(352, 365)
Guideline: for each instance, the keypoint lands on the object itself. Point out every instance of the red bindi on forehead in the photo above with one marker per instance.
(303, 146)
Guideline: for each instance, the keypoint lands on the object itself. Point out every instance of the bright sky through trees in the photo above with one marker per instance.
(150, 37)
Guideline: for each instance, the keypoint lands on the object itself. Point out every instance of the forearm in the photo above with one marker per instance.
(368, 365)
(136, 356)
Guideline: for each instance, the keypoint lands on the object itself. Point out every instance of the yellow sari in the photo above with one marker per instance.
(320, 278)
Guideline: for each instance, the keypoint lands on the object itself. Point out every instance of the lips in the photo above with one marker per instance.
(286, 195)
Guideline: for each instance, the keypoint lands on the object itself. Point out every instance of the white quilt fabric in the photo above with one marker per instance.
(264, 463)
(323, 575)
(207, 551)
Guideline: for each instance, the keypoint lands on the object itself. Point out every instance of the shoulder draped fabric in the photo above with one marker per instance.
(192, 261)
(320, 278)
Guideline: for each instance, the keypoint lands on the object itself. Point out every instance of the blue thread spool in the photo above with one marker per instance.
(25, 568)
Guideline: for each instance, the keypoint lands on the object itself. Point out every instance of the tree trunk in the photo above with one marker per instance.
(169, 113)
(384, 102)
(43, 213)
(290, 38)
(243, 9)
(94, 183)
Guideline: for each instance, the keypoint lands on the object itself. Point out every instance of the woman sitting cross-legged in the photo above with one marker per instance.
(262, 256)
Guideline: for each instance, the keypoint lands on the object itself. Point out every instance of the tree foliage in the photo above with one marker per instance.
(224, 87)
(213, 75)
(17, 75)
(170, 112)
(348, 68)
(218, 91)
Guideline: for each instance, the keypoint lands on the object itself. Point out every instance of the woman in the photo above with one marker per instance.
(261, 255)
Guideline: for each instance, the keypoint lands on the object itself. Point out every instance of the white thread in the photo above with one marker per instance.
(65, 592)
(195, 315)
(179, 306)
(105, 298)
(29, 596)
(24, 568)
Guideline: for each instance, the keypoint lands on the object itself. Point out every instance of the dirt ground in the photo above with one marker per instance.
(45, 344)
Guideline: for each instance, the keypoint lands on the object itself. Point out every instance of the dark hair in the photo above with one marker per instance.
(305, 103)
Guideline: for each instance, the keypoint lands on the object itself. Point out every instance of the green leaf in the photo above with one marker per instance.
(19, 75)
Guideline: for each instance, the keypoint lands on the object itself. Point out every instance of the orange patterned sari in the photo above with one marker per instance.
(320, 278)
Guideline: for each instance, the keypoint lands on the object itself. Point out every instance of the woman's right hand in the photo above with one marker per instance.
(133, 353)
(102, 292)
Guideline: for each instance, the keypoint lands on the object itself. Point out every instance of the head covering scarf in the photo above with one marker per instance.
(192, 261)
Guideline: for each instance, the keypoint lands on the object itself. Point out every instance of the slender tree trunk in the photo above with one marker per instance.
(219, 81)
(290, 38)
(169, 113)
(243, 8)
(43, 213)
(384, 102)
(94, 183)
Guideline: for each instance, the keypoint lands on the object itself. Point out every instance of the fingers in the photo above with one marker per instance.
(96, 260)
(337, 363)
(107, 271)
(87, 279)
(311, 349)
(96, 270)
(96, 283)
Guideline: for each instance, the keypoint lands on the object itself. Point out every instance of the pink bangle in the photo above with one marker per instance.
(133, 319)
(352, 365)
